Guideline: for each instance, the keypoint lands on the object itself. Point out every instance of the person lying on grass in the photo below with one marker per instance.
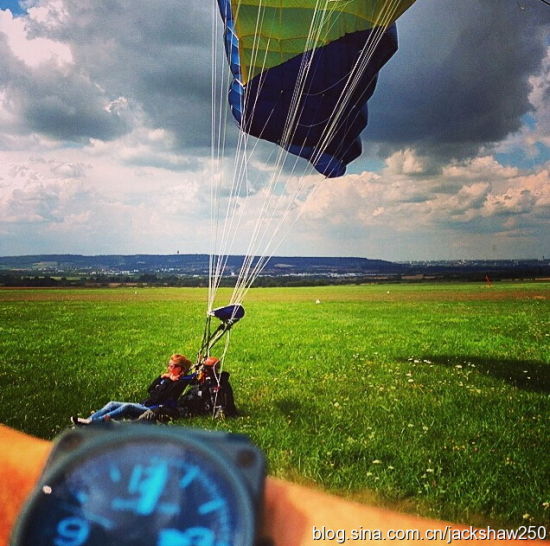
(163, 391)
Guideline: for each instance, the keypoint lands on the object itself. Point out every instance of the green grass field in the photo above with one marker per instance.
(432, 399)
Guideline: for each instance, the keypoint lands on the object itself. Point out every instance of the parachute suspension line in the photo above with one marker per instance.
(240, 176)
(266, 231)
(231, 221)
(218, 376)
(223, 237)
(219, 253)
(354, 77)
(316, 27)
(255, 49)
(217, 106)
(213, 160)
(211, 337)
(228, 225)
(219, 256)
(353, 85)
(219, 129)
(247, 277)
(207, 334)
(249, 273)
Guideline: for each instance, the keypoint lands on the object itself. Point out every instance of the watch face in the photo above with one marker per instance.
(140, 492)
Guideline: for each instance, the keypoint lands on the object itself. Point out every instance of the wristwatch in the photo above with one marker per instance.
(118, 484)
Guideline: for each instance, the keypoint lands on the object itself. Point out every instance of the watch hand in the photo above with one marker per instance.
(191, 474)
(149, 483)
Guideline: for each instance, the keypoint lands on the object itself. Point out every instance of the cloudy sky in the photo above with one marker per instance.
(105, 124)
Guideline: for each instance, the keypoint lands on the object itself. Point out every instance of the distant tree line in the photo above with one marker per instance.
(22, 279)
(151, 279)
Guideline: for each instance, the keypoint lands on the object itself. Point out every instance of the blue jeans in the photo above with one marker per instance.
(119, 410)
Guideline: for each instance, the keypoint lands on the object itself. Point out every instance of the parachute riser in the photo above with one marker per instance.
(228, 315)
(211, 338)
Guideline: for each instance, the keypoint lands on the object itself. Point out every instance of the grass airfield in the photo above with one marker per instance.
(428, 398)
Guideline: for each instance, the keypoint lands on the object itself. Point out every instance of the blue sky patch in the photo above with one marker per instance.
(13, 6)
(518, 158)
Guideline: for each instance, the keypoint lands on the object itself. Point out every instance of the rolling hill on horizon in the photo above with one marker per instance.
(192, 264)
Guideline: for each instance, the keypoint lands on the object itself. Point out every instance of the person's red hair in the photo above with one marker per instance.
(182, 361)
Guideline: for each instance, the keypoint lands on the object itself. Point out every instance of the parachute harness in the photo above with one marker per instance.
(228, 316)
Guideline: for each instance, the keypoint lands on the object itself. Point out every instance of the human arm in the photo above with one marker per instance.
(22, 458)
(291, 511)
(154, 383)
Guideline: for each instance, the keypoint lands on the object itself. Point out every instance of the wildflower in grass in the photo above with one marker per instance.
(377, 461)
(430, 470)
(390, 467)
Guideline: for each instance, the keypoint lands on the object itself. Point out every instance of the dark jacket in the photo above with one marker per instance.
(165, 392)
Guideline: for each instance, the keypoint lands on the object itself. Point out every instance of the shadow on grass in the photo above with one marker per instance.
(528, 375)
(289, 406)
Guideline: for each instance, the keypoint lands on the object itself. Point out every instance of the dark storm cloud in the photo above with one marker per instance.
(156, 54)
(70, 109)
(460, 78)
(55, 97)
(459, 81)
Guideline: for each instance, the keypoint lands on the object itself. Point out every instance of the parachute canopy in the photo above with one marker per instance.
(303, 71)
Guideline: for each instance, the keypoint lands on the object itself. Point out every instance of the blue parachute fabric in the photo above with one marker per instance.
(262, 106)
(327, 145)
(229, 313)
(236, 91)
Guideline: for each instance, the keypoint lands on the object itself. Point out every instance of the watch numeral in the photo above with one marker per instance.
(211, 506)
(194, 536)
(72, 532)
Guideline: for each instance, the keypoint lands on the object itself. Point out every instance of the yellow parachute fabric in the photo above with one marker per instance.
(273, 31)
